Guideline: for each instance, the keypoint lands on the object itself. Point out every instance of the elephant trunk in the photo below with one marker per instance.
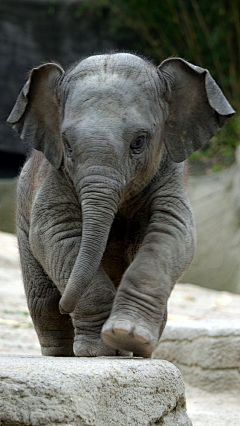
(99, 203)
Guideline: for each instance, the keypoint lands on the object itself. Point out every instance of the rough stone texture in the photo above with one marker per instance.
(191, 302)
(215, 200)
(207, 408)
(206, 352)
(90, 391)
(187, 302)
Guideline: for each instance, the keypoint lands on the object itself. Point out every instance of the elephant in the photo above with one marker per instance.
(105, 228)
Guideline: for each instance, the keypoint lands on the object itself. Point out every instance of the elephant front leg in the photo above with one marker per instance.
(139, 312)
(90, 314)
(55, 331)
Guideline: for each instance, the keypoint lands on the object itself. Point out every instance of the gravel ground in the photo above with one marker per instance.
(187, 301)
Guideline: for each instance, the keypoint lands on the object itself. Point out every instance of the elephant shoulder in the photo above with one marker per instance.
(29, 183)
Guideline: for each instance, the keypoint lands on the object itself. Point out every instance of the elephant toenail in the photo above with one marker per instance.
(124, 326)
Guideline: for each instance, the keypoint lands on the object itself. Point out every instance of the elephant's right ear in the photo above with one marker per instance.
(36, 114)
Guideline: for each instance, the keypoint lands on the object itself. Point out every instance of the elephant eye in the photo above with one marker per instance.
(138, 143)
(67, 146)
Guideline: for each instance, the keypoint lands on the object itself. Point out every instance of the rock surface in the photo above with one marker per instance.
(188, 303)
(90, 391)
(204, 343)
(215, 200)
(207, 408)
(206, 352)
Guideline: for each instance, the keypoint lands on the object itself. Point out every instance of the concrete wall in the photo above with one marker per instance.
(215, 200)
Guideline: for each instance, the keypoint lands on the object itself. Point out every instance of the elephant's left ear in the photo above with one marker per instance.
(36, 114)
(197, 108)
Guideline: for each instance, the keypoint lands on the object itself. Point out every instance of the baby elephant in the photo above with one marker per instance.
(104, 224)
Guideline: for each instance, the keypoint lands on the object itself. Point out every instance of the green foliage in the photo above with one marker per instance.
(7, 205)
(204, 33)
(219, 152)
(52, 7)
(8, 312)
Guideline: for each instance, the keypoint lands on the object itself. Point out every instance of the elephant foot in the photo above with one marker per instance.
(91, 346)
(124, 334)
(57, 351)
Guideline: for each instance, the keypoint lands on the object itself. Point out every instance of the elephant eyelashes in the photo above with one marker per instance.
(137, 144)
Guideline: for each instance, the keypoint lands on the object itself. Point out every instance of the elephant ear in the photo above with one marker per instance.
(197, 108)
(36, 114)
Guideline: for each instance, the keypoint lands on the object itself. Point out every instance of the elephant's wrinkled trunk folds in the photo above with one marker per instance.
(99, 206)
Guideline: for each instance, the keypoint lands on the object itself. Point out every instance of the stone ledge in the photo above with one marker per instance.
(206, 352)
(38, 391)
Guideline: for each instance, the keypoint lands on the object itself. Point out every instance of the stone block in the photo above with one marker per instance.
(38, 391)
(206, 352)
(215, 200)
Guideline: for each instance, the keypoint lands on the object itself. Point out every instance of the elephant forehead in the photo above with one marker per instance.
(111, 95)
(120, 76)
(107, 111)
(113, 99)
(118, 63)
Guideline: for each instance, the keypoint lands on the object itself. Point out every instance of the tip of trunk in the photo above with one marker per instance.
(69, 310)
(69, 300)
(79, 280)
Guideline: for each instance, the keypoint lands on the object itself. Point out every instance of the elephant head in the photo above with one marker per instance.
(105, 124)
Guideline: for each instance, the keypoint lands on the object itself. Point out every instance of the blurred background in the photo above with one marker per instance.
(204, 33)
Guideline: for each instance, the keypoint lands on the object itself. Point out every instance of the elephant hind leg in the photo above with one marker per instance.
(55, 331)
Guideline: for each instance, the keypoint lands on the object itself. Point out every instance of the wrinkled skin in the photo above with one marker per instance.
(104, 222)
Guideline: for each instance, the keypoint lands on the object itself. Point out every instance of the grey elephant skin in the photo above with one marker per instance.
(104, 224)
